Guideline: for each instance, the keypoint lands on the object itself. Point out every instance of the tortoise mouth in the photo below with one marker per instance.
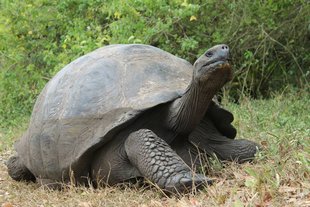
(217, 64)
(218, 68)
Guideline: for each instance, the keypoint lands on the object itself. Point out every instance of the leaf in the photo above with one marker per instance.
(7, 204)
(250, 182)
(238, 203)
(117, 15)
(193, 18)
(85, 204)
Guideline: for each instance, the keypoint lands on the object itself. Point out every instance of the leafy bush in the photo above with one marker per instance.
(38, 37)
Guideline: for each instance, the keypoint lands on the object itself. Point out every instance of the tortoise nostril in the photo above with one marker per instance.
(225, 47)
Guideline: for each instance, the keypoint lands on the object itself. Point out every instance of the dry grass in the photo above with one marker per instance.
(278, 177)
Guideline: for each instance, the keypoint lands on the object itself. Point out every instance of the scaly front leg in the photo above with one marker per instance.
(207, 138)
(156, 161)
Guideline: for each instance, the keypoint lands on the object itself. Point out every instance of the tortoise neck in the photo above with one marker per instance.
(186, 112)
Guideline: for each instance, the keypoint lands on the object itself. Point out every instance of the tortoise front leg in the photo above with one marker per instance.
(208, 139)
(222, 119)
(157, 162)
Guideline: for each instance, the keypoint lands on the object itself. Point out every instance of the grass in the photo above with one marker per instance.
(278, 177)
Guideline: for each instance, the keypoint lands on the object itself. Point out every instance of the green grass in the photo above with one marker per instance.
(278, 177)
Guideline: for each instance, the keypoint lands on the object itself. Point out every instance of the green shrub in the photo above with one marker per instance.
(38, 37)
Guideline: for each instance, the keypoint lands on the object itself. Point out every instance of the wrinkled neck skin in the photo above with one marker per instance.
(186, 112)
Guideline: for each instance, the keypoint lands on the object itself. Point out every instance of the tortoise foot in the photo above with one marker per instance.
(186, 183)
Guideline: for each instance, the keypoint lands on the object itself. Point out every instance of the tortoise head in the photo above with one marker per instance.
(213, 64)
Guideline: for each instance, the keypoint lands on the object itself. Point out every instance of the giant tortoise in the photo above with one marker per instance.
(128, 111)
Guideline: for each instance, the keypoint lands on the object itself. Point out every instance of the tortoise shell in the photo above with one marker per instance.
(91, 99)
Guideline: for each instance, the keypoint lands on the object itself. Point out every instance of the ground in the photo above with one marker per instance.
(279, 176)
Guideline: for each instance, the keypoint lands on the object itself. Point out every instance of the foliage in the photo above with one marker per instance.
(38, 37)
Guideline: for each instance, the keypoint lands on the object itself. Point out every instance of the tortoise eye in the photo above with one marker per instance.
(209, 54)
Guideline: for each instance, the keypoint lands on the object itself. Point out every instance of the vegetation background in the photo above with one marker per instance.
(269, 40)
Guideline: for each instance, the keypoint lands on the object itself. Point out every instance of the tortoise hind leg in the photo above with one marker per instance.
(18, 171)
(157, 162)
